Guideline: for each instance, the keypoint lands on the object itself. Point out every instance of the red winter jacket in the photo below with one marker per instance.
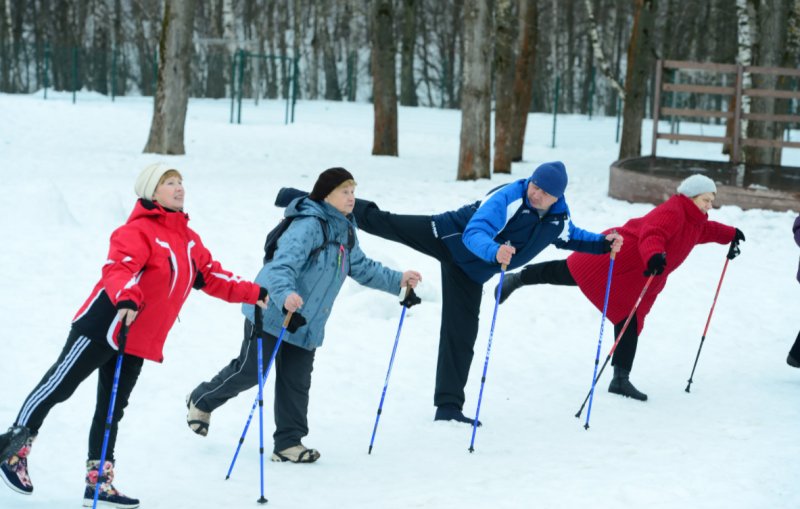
(674, 228)
(153, 261)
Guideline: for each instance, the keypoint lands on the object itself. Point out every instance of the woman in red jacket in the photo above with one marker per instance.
(153, 261)
(655, 244)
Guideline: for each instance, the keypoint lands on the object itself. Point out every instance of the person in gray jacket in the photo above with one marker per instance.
(300, 278)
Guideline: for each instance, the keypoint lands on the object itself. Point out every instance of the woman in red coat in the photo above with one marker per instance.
(655, 244)
(154, 260)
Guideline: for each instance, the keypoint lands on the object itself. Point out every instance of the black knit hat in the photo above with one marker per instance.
(327, 181)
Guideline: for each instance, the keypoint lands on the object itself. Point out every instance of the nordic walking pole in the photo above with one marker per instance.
(252, 410)
(122, 336)
(257, 330)
(703, 338)
(488, 349)
(614, 346)
(600, 339)
(406, 304)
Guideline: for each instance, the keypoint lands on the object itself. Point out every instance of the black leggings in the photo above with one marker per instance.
(557, 273)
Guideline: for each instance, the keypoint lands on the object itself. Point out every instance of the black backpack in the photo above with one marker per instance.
(271, 244)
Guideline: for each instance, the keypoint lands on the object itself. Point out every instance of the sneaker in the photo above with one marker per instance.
(14, 471)
(453, 413)
(197, 420)
(12, 440)
(286, 195)
(511, 281)
(622, 385)
(791, 361)
(108, 495)
(296, 454)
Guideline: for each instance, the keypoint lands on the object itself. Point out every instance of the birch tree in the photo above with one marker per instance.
(597, 51)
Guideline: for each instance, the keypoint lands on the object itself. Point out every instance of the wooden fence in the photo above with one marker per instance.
(734, 137)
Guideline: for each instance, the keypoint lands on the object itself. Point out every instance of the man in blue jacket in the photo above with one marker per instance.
(513, 224)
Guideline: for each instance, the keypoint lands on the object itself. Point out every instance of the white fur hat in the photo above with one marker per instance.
(697, 184)
(147, 181)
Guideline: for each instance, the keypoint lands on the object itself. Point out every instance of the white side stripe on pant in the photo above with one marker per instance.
(58, 376)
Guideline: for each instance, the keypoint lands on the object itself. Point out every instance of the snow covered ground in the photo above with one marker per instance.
(67, 175)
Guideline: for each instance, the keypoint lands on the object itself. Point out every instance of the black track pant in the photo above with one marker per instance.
(461, 296)
(557, 273)
(293, 367)
(795, 351)
(80, 357)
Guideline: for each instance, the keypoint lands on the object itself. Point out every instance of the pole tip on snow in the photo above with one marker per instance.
(262, 500)
(370, 450)
(586, 426)
(578, 415)
(471, 450)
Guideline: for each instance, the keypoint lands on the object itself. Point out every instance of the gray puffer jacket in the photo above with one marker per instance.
(318, 278)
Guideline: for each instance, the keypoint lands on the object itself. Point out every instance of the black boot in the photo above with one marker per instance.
(511, 282)
(286, 195)
(452, 413)
(621, 385)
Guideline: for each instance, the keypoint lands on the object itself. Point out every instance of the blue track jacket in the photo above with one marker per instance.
(475, 232)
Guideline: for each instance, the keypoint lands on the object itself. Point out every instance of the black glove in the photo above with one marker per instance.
(258, 323)
(733, 250)
(262, 293)
(411, 299)
(295, 322)
(656, 264)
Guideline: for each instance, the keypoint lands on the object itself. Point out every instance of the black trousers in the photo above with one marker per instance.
(293, 367)
(557, 273)
(461, 296)
(79, 358)
(795, 351)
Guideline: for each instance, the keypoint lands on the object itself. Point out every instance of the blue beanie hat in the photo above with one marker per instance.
(551, 177)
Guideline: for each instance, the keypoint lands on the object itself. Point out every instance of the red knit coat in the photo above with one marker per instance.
(674, 228)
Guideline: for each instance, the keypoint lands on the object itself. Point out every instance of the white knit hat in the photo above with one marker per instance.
(147, 181)
(697, 184)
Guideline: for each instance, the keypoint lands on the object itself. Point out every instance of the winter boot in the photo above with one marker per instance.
(286, 195)
(197, 420)
(108, 496)
(511, 281)
(296, 454)
(791, 361)
(449, 412)
(12, 440)
(14, 470)
(621, 385)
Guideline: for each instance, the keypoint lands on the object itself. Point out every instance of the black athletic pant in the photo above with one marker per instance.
(80, 357)
(461, 296)
(293, 367)
(795, 351)
(557, 273)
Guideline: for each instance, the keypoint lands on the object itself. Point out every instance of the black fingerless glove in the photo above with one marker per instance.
(656, 264)
(262, 293)
(733, 250)
(127, 304)
(295, 322)
(411, 299)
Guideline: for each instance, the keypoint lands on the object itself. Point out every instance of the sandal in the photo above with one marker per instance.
(296, 454)
(197, 420)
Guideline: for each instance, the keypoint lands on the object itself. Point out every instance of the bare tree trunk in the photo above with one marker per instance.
(408, 87)
(640, 53)
(768, 48)
(599, 56)
(505, 35)
(384, 89)
(523, 76)
(332, 91)
(172, 94)
(474, 153)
